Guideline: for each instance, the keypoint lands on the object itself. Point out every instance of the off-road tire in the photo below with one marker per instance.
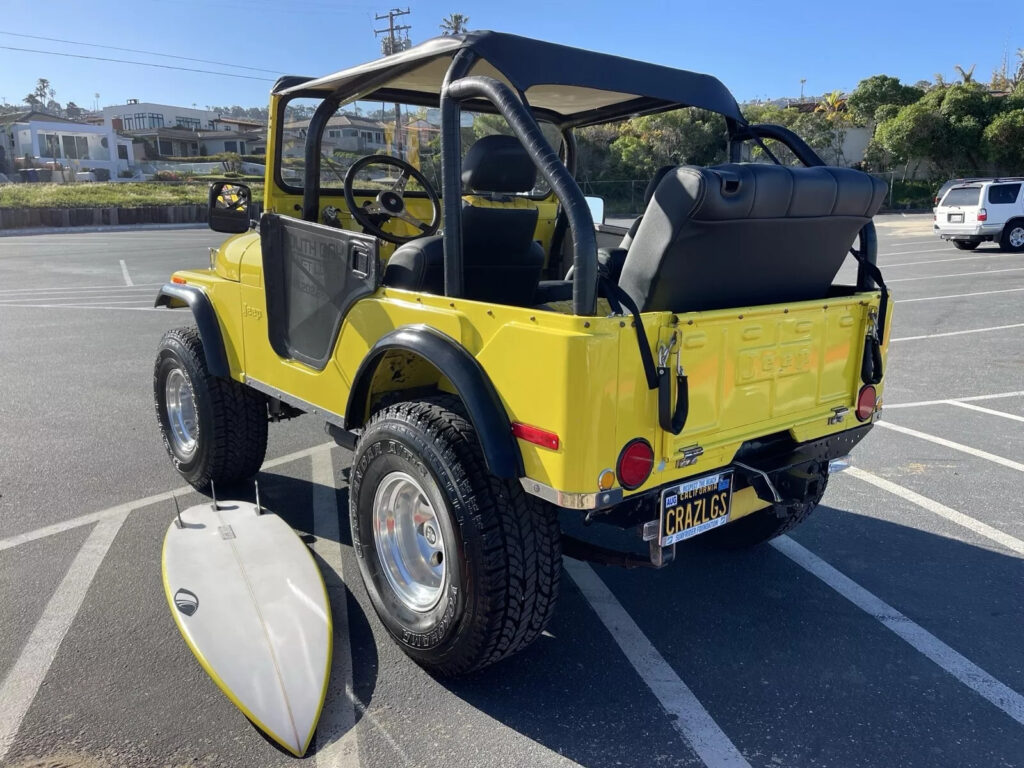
(761, 526)
(503, 546)
(1014, 230)
(232, 418)
(966, 245)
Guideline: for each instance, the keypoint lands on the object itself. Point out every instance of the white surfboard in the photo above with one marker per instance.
(250, 602)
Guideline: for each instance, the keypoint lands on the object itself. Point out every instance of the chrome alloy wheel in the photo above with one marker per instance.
(182, 418)
(407, 534)
(1017, 237)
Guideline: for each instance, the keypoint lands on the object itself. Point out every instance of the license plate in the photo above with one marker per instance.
(695, 507)
(956, 218)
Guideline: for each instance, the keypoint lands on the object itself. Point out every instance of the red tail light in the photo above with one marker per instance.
(866, 403)
(535, 435)
(635, 463)
(982, 214)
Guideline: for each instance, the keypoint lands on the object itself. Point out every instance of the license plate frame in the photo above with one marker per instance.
(955, 218)
(694, 506)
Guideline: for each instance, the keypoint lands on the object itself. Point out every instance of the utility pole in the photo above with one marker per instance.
(802, 81)
(391, 45)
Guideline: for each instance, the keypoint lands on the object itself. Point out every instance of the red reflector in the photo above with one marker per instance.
(535, 435)
(635, 463)
(178, 280)
(866, 403)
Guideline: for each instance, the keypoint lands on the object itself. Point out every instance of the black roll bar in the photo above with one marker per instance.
(311, 150)
(581, 223)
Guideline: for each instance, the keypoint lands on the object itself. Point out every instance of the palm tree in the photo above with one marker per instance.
(454, 24)
(966, 75)
(833, 107)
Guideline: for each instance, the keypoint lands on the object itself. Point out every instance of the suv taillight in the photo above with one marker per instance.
(866, 401)
(982, 214)
(635, 463)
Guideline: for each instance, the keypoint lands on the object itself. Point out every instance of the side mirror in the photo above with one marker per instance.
(596, 205)
(228, 207)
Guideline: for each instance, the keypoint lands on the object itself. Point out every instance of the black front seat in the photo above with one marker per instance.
(502, 262)
(739, 235)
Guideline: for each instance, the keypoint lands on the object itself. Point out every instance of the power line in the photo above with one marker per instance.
(136, 50)
(137, 63)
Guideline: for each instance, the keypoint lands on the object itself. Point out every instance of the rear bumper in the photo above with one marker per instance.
(968, 232)
(791, 469)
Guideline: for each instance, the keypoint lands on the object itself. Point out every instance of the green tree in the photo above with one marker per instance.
(1004, 141)
(454, 24)
(878, 91)
(680, 137)
(833, 108)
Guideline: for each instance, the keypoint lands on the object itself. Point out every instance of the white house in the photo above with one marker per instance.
(44, 138)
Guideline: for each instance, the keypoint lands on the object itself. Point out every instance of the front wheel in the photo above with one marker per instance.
(1013, 237)
(462, 567)
(966, 245)
(213, 429)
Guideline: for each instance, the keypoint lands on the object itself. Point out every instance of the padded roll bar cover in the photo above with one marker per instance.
(474, 387)
(740, 235)
(577, 211)
(498, 164)
(206, 322)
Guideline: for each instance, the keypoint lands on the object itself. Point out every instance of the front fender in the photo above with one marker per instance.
(483, 406)
(175, 295)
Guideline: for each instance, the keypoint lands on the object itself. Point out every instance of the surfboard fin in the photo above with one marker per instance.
(259, 509)
(213, 493)
(177, 511)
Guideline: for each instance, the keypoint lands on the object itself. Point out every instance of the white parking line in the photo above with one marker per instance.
(692, 721)
(956, 274)
(1012, 543)
(989, 411)
(336, 736)
(105, 301)
(74, 288)
(92, 517)
(883, 253)
(85, 306)
(124, 273)
(964, 670)
(22, 682)
(959, 295)
(958, 333)
(958, 258)
(969, 399)
(955, 446)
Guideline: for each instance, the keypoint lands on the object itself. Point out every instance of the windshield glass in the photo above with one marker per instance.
(361, 128)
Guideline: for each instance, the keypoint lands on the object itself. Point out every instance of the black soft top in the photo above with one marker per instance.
(572, 85)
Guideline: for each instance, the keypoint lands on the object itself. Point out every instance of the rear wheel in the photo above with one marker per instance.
(763, 525)
(213, 429)
(966, 245)
(462, 567)
(1013, 236)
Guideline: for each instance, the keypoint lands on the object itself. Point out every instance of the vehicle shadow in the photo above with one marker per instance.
(767, 649)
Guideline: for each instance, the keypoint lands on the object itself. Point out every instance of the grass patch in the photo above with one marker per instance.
(107, 194)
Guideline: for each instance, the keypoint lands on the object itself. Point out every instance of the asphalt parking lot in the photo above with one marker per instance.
(887, 630)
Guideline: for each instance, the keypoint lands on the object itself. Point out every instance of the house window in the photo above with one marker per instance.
(334, 134)
(230, 146)
(190, 123)
(49, 145)
(122, 152)
(76, 147)
(165, 148)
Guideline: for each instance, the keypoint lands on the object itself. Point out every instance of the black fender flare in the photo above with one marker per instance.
(195, 298)
(501, 452)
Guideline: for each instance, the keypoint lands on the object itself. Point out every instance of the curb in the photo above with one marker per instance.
(107, 228)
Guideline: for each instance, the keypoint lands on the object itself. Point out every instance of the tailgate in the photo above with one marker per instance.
(756, 371)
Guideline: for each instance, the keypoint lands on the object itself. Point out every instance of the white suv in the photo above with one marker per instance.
(983, 210)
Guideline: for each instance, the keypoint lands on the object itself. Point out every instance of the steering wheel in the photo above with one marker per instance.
(390, 203)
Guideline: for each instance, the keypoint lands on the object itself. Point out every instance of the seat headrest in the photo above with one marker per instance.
(498, 164)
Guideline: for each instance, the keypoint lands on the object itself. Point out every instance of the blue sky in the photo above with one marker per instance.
(756, 53)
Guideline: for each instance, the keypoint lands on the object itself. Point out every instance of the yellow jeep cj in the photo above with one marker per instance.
(433, 285)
